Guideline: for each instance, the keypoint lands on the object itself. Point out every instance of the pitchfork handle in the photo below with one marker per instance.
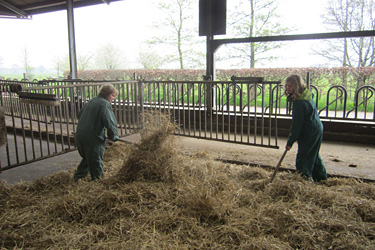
(278, 164)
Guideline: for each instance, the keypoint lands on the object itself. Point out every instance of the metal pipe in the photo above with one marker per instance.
(72, 45)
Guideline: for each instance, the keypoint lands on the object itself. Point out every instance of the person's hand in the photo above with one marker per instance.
(288, 147)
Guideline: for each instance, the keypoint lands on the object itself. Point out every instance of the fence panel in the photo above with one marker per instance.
(238, 115)
(237, 111)
(45, 128)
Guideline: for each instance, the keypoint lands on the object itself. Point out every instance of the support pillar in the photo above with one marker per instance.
(72, 44)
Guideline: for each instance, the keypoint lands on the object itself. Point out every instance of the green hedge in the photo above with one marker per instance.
(321, 77)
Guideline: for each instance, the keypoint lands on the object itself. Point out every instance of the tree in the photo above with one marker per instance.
(179, 29)
(83, 61)
(61, 64)
(255, 18)
(350, 15)
(150, 59)
(26, 63)
(109, 56)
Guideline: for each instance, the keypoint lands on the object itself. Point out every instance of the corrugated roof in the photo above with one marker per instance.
(27, 8)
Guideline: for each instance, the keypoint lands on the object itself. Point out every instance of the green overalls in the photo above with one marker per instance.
(93, 120)
(307, 130)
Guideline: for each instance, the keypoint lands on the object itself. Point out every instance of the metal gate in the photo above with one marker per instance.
(45, 127)
(237, 111)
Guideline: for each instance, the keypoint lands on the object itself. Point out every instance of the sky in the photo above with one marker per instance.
(46, 35)
(127, 24)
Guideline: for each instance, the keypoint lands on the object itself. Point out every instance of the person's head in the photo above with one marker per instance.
(294, 86)
(109, 92)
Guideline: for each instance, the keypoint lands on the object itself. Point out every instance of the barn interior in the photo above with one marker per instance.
(203, 183)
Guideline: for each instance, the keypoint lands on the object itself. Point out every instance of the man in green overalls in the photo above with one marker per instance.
(94, 120)
(306, 129)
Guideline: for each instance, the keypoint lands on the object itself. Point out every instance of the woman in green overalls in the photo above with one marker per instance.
(306, 129)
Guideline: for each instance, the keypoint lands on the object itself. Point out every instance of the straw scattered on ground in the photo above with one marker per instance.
(155, 197)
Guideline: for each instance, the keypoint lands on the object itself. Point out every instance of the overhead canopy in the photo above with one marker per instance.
(27, 8)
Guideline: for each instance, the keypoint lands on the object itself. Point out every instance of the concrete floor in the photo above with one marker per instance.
(339, 158)
(38, 169)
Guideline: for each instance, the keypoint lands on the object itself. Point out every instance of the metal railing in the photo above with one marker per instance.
(236, 111)
(39, 128)
(337, 104)
(231, 115)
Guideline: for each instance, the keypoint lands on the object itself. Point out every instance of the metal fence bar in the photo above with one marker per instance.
(53, 118)
(215, 87)
(222, 111)
(228, 99)
(270, 115)
(248, 98)
(31, 129)
(256, 114)
(234, 98)
(14, 130)
(22, 108)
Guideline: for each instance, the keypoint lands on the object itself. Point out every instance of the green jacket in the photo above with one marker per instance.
(94, 118)
(306, 124)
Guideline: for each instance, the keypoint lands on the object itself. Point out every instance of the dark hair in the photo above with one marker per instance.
(298, 85)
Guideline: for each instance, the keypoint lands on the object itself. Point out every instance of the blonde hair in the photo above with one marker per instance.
(298, 85)
(107, 90)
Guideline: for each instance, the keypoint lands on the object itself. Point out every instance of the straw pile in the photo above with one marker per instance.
(153, 197)
(155, 157)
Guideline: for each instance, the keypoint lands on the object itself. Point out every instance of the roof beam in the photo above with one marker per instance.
(13, 8)
(348, 34)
